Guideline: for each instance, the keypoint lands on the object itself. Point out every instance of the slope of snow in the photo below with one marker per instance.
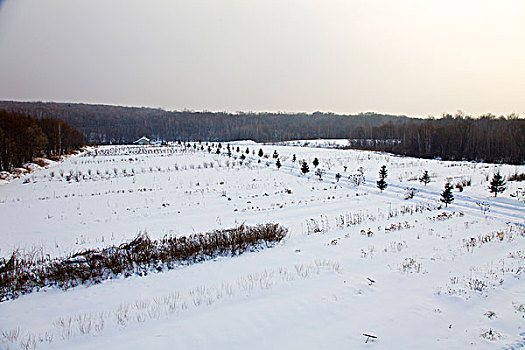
(356, 260)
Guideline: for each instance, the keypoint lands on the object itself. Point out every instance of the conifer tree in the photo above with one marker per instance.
(425, 178)
(294, 158)
(497, 184)
(261, 153)
(304, 167)
(315, 162)
(381, 183)
(446, 196)
(278, 163)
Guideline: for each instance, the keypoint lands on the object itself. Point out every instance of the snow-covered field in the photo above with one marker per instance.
(356, 260)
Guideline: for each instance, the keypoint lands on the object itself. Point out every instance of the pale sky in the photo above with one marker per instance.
(412, 57)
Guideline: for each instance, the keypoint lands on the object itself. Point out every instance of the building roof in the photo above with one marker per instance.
(142, 139)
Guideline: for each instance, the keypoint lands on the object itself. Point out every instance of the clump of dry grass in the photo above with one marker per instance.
(23, 274)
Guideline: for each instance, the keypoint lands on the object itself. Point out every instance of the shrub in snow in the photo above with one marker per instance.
(410, 193)
(21, 275)
(319, 173)
(517, 177)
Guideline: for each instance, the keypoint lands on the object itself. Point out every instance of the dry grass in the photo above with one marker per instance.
(23, 274)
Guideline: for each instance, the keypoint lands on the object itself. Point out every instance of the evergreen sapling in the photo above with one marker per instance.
(304, 167)
(425, 178)
(381, 183)
(446, 196)
(497, 184)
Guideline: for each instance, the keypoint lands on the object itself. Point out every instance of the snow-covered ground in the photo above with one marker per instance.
(356, 260)
(319, 143)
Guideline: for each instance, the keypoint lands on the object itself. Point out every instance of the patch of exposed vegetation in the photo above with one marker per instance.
(23, 274)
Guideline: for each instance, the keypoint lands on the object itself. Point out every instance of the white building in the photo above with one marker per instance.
(142, 141)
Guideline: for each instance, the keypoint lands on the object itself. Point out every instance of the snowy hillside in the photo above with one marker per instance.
(409, 271)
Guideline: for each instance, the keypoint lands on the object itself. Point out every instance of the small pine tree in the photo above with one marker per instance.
(425, 178)
(381, 183)
(261, 153)
(294, 158)
(497, 184)
(247, 150)
(383, 173)
(278, 164)
(305, 168)
(315, 162)
(446, 196)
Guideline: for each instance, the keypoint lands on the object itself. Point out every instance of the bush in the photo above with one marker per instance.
(21, 275)
(517, 177)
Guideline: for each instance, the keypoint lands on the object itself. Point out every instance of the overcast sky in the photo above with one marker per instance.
(413, 57)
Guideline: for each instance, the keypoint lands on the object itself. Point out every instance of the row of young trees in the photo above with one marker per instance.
(23, 138)
(497, 185)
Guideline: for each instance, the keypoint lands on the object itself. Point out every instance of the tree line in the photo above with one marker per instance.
(487, 138)
(23, 138)
(116, 124)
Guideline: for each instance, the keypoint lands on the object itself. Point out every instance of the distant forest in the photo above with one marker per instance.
(23, 138)
(487, 138)
(115, 124)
